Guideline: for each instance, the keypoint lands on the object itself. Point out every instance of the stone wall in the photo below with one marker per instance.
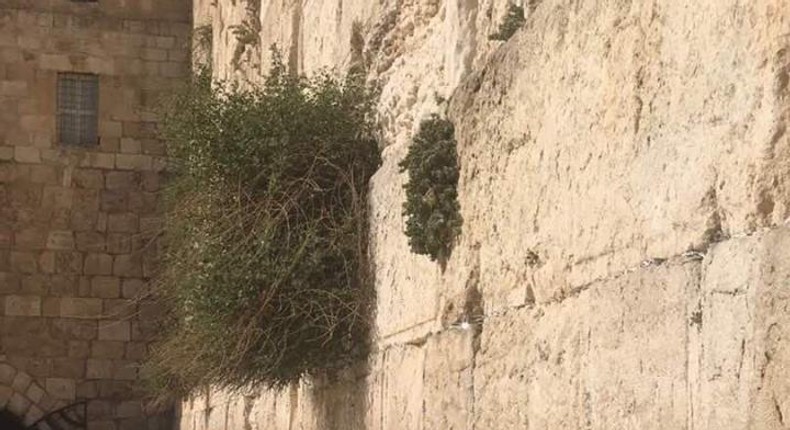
(625, 190)
(78, 224)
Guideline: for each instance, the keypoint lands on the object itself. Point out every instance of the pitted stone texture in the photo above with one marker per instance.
(744, 329)
(599, 360)
(448, 392)
(603, 134)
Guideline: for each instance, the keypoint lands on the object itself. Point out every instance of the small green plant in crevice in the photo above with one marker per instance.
(512, 22)
(265, 275)
(432, 210)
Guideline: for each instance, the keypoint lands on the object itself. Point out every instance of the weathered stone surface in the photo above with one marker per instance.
(617, 165)
(743, 327)
(115, 330)
(611, 368)
(23, 306)
(80, 308)
(598, 145)
(449, 397)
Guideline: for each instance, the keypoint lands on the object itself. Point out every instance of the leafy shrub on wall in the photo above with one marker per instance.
(266, 275)
(432, 210)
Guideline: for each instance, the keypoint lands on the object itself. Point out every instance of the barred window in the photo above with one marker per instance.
(78, 109)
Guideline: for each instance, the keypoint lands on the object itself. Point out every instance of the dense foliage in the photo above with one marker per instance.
(265, 268)
(431, 207)
(512, 22)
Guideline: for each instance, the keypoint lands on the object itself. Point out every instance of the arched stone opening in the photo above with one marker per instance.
(25, 404)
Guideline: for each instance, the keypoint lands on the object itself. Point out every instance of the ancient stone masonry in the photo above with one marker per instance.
(625, 190)
(78, 223)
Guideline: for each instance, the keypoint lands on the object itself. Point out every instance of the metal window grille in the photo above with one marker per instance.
(78, 109)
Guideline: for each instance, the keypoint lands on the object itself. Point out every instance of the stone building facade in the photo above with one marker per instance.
(80, 175)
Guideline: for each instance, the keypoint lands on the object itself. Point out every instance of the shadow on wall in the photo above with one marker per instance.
(340, 400)
(9, 421)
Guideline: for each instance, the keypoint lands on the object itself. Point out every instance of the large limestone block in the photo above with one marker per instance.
(605, 133)
(615, 356)
(449, 380)
(744, 325)
(402, 388)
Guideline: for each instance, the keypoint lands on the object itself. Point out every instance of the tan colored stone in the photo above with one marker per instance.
(114, 201)
(101, 161)
(79, 349)
(114, 330)
(57, 197)
(23, 262)
(62, 389)
(6, 153)
(80, 308)
(72, 368)
(448, 377)
(23, 306)
(60, 240)
(34, 393)
(122, 223)
(21, 382)
(7, 374)
(119, 243)
(90, 241)
(47, 262)
(88, 178)
(131, 146)
(13, 88)
(123, 309)
(99, 369)
(136, 351)
(125, 371)
(108, 349)
(133, 162)
(129, 265)
(133, 288)
(68, 262)
(110, 129)
(30, 239)
(129, 409)
(122, 180)
(50, 307)
(105, 287)
(79, 329)
(98, 264)
(739, 357)
(42, 174)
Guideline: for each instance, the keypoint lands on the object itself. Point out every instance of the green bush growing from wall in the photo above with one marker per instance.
(265, 270)
(432, 210)
(512, 22)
